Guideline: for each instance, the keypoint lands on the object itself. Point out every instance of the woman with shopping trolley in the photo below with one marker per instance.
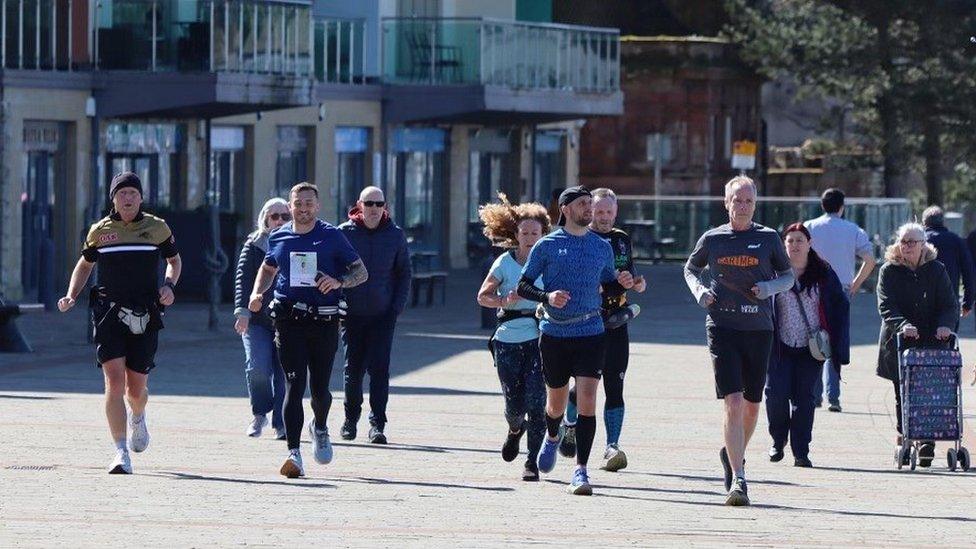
(916, 300)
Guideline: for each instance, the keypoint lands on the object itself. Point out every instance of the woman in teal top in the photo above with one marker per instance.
(515, 343)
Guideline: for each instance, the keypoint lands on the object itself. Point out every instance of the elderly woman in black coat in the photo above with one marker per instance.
(915, 299)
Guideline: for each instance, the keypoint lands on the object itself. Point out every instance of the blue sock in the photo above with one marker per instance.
(571, 414)
(613, 418)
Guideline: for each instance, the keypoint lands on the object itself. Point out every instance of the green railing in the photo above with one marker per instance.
(247, 36)
(678, 221)
(512, 54)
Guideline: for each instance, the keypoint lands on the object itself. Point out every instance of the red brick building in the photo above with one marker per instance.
(685, 100)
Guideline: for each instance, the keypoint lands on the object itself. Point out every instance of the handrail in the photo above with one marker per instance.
(499, 21)
(812, 199)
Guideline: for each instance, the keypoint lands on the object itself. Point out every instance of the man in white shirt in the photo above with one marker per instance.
(840, 243)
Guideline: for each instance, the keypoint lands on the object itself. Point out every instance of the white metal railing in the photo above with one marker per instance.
(30, 37)
(497, 52)
(339, 51)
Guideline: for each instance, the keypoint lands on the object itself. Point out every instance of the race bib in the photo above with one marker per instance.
(303, 269)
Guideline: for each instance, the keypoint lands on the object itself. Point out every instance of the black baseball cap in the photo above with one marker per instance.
(569, 195)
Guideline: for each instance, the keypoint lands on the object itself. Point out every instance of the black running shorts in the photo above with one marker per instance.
(740, 359)
(566, 357)
(114, 340)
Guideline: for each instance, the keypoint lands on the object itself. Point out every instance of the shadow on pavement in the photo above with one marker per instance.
(186, 476)
(384, 481)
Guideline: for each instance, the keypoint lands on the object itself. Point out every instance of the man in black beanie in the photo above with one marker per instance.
(127, 307)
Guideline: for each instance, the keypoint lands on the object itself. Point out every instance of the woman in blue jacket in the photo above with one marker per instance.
(816, 302)
(265, 378)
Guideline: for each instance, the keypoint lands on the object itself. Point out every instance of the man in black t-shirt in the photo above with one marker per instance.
(126, 306)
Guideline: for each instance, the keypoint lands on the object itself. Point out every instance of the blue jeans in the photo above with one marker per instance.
(790, 393)
(831, 379)
(265, 378)
(520, 373)
(367, 342)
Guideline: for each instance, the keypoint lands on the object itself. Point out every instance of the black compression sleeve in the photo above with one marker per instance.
(530, 291)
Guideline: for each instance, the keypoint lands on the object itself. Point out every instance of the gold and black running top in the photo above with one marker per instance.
(128, 256)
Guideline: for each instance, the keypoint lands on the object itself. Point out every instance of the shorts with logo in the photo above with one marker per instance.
(566, 357)
(740, 359)
(114, 340)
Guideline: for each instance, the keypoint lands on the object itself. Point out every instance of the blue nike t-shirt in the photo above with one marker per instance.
(299, 257)
(576, 264)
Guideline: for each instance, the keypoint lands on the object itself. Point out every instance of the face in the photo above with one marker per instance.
(579, 211)
(741, 204)
(372, 204)
(910, 246)
(529, 232)
(604, 214)
(277, 216)
(304, 207)
(127, 201)
(797, 245)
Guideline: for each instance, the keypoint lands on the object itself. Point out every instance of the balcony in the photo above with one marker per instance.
(483, 68)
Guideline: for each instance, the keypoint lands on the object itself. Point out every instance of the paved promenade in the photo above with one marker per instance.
(441, 481)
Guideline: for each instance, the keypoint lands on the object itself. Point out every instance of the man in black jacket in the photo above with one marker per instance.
(367, 331)
(953, 253)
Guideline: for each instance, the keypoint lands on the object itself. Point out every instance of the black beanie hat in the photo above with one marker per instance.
(122, 180)
(568, 196)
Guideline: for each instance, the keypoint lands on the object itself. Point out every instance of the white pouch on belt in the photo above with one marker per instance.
(135, 321)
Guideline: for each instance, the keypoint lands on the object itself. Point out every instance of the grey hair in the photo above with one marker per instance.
(933, 216)
(262, 222)
(739, 181)
(371, 188)
(604, 192)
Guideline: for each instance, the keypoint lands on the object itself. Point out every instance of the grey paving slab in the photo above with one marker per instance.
(442, 482)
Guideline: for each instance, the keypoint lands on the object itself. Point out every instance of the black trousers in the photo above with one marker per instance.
(367, 342)
(306, 350)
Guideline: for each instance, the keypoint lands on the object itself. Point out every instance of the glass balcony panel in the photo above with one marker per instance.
(203, 35)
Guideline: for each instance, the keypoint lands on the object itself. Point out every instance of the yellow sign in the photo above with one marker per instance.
(745, 148)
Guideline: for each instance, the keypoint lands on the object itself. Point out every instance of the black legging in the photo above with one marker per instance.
(306, 351)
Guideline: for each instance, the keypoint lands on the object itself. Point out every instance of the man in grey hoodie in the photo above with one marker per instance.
(367, 331)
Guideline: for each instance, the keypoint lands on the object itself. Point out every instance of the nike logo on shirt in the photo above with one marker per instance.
(754, 246)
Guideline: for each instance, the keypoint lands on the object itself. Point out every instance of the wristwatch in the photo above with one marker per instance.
(172, 286)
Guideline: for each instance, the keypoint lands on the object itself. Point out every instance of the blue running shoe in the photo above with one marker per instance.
(581, 483)
(548, 455)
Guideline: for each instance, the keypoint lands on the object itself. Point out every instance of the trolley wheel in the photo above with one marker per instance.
(951, 459)
(964, 462)
(900, 454)
(913, 458)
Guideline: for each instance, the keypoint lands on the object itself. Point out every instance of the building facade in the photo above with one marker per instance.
(222, 104)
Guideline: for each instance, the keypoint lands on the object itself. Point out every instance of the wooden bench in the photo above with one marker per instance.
(11, 338)
(427, 282)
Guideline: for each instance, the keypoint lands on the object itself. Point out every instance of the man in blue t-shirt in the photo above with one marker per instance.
(310, 262)
(573, 262)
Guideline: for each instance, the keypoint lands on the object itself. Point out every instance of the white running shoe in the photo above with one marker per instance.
(121, 465)
(280, 434)
(293, 468)
(138, 433)
(320, 443)
(257, 424)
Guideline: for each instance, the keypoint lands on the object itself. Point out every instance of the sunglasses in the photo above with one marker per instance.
(374, 203)
(281, 216)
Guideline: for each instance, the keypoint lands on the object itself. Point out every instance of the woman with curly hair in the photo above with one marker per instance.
(515, 343)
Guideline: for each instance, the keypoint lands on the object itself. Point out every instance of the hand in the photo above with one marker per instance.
(254, 305)
(707, 299)
(558, 299)
(942, 333)
(65, 303)
(326, 284)
(755, 290)
(965, 312)
(166, 296)
(625, 279)
(853, 291)
(511, 298)
(909, 331)
(241, 324)
(640, 284)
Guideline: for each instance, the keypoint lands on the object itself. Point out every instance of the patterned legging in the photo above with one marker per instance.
(520, 373)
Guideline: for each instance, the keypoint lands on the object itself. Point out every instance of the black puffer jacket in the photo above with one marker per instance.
(922, 298)
(252, 256)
